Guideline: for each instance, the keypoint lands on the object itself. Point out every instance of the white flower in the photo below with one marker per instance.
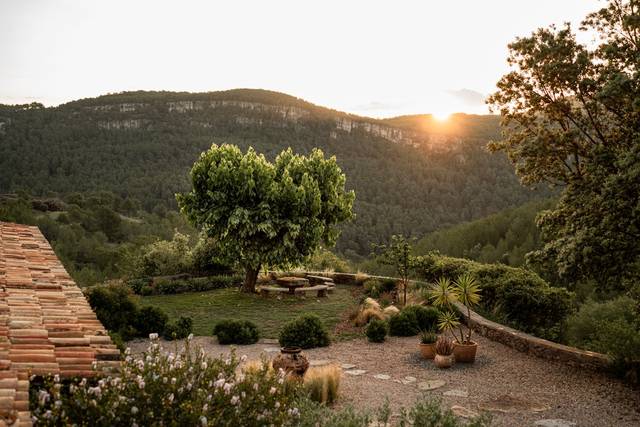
(219, 383)
(153, 336)
(134, 410)
(43, 397)
(203, 421)
(203, 365)
(171, 398)
(227, 387)
(235, 400)
(243, 358)
(190, 337)
(205, 407)
(277, 405)
(173, 381)
(164, 380)
(272, 390)
(56, 378)
(255, 386)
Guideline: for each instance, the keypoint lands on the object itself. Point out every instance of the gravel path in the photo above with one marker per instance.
(516, 388)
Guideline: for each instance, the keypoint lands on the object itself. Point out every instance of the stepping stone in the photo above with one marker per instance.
(456, 393)
(461, 411)
(557, 422)
(382, 377)
(347, 366)
(320, 362)
(408, 380)
(271, 349)
(356, 372)
(508, 404)
(431, 385)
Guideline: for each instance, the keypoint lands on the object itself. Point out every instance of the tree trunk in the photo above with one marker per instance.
(250, 278)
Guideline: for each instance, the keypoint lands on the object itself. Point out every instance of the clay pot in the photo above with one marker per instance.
(444, 362)
(465, 353)
(428, 351)
(291, 360)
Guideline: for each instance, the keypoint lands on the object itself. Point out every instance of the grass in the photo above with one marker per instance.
(207, 308)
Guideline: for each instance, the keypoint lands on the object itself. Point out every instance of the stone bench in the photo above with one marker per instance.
(322, 280)
(320, 289)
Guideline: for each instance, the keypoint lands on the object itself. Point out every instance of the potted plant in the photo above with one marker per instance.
(444, 357)
(428, 344)
(444, 295)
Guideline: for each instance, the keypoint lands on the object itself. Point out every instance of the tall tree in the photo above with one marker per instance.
(263, 213)
(571, 117)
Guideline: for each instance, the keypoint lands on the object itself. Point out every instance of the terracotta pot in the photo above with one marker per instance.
(291, 360)
(465, 353)
(444, 361)
(428, 351)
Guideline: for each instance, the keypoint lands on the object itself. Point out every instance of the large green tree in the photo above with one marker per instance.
(571, 116)
(264, 213)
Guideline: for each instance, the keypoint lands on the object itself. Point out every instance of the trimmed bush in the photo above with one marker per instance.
(179, 329)
(114, 306)
(516, 296)
(376, 330)
(426, 317)
(306, 331)
(236, 332)
(151, 320)
(403, 324)
(178, 286)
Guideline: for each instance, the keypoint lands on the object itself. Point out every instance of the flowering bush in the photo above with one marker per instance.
(184, 389)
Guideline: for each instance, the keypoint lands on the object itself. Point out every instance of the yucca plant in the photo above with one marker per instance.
(467, 291)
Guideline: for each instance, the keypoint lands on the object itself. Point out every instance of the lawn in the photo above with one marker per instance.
(207, 308)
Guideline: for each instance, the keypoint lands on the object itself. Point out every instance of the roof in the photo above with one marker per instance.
(46, 324)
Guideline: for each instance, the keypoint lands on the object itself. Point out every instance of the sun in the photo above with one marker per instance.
(441, 116)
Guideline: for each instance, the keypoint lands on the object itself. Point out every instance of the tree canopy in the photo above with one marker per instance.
(263, 213)
(571, 115)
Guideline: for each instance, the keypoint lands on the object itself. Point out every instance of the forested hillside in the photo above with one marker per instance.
(412, 175)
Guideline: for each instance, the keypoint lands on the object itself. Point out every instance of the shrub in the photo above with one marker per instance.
(444, 346)
(375, 288)
(306, 331)
(428, 337)
(179, 329)
(187, 389)
(516, 296)
(151, 320)
(322, 383)
(611, 327)
(114, 306)
(427, 317)
(236, 332)
(194, 284)
(366, 315)
(428, 413)
(377, 330)
(390, 311)
(165, 257)
(404, 324)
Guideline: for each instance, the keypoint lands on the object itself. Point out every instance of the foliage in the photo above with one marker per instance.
(114, 306)
(611, 327)
(325, 260)
(448, 321)
(263, 213)
(180, 329)
(518, 297)
(322, 383)
(402, 189)
(187, 388)
(206, 258)
(164, 258)
(178, 286)
(428, 413)
(306, 331)
(377, 287)
(367, 314)
(428, 337)
(151, 320)
(376, 330)
(403, 324)
(426, 317)
(397, 253)
(571, 118)
(444, 346)
(236, 332)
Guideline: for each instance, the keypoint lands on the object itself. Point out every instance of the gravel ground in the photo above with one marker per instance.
(516, 388)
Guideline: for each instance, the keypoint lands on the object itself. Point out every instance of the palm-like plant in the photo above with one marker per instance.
(467, 291)
(442, 293)
(448, 321)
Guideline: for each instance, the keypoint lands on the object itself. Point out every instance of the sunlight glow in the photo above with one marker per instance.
(441, 116)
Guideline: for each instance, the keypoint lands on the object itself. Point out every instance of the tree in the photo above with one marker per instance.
(571, 117)
(397, 253)
(263, 213)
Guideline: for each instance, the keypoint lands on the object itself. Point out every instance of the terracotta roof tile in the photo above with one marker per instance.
(46, 324)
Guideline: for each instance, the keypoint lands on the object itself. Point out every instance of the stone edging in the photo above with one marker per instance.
(510, 337)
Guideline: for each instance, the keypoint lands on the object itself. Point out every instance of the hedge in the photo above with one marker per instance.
(515, 296)
(147, 286)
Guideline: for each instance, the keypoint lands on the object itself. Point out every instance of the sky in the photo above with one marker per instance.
(373, 58)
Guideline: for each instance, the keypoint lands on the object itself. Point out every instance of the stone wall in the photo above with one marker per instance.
(503, 334)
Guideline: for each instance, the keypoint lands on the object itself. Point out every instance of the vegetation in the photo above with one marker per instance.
(169, 286)
(401, 189)
(270, 314)
(403, 324)
(376, 330)
(397, 254)
(180, 329)
(236, 332)
(261, 213)
(322, 383)
(428, 337)
(571, 118)
(306, 331)
(445, 294)
(444, 346)
(426, 317)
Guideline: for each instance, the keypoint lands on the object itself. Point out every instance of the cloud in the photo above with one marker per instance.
(468, 97)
